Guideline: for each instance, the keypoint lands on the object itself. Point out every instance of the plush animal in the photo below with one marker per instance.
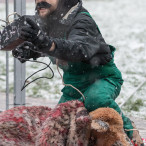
(68, 124)
(107, 128)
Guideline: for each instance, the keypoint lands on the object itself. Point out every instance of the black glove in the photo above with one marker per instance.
(25, 51)
(33, 33)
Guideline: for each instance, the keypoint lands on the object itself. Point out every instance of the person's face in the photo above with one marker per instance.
(43, 12)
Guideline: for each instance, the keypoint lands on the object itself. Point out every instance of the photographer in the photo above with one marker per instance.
(68, 33)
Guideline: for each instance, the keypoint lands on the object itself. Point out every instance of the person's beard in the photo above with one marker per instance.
(50, 21)
(47, 21)
(44, 13)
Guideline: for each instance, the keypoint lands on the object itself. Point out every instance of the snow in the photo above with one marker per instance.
(122, 24)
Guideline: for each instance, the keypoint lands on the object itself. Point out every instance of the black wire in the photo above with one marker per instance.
(47, 66)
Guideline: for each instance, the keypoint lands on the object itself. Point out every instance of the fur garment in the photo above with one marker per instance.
(68, 124)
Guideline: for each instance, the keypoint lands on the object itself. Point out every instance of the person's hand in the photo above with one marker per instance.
(25, 51)
(30, 31)
(33, 33)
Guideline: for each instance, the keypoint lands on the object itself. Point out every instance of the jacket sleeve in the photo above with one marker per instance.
(84, 43)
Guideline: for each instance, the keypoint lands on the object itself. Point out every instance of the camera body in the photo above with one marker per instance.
(9, 37)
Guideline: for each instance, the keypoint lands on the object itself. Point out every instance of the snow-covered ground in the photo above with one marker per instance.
(123, 24)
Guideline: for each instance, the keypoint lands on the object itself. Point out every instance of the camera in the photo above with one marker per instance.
(9, 36)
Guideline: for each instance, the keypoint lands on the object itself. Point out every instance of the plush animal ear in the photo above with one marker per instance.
(99, 126)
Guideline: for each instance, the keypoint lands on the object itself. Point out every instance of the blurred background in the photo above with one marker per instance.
(123, 25)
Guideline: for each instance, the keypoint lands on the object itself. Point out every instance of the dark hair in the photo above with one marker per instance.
(70, 3)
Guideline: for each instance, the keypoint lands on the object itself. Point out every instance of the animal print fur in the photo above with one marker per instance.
(68, 124)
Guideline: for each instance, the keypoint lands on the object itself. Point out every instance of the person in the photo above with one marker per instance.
(67, 32)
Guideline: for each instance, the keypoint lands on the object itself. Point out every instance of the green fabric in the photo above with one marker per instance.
(100, 85)
(101, 93)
